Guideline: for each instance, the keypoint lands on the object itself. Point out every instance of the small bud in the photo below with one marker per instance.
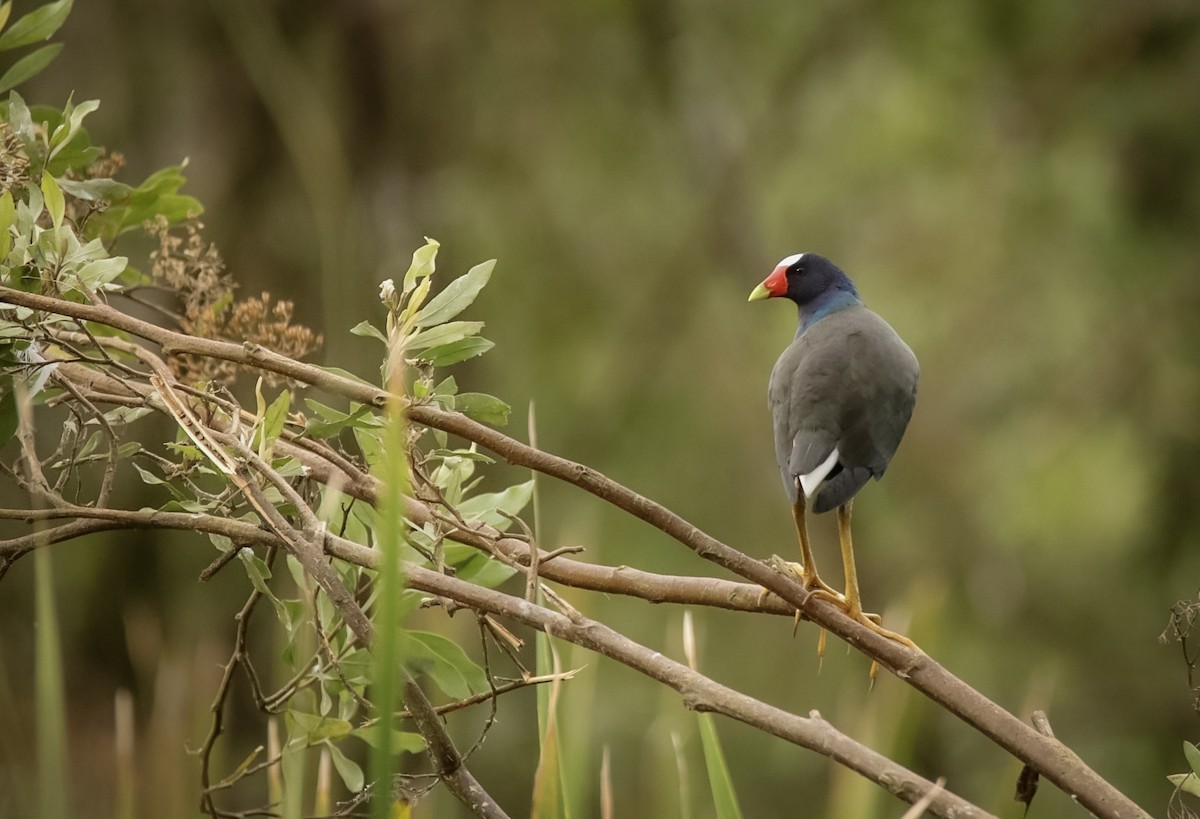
(387, 291)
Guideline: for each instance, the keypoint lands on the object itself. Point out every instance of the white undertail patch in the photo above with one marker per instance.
(812, 480)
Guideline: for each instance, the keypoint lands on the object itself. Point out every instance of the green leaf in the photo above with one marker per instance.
(1188, 783)
(450, 476)
(257, 570)
(96, 190)
(424, 261)
(474, 566)
(324, 411)
(73, 117)
(401, 740)
(369, 330)
(28, 66)
(5, 12)
(443, 334)
(315, 728)
(414, 301)
(129, 449)
(463, 453)
(8, 212)
(484, 408)
(156, 196)
(102, 271)
(22, 123)
(148, 477)
(444, 662)
(457, 351)
(273, 420)
(38, 24)
(457, 296)
(329, 427)
(487, 506)
(176, 207)
(1192, 754)
(126, 415)
(370, 444)
(71, 125)
(348, 770)
(351, 376)
(55, 204)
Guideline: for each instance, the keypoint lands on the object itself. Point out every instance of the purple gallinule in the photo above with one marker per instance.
(841, 396)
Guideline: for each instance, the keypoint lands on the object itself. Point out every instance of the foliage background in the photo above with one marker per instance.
(1014, 185)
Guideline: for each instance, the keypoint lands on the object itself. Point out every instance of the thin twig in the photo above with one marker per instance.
(218, 706)
(445, 757)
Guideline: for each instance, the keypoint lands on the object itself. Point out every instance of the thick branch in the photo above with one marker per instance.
(250, 355)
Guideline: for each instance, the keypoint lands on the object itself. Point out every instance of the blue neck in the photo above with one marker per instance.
(835, 298)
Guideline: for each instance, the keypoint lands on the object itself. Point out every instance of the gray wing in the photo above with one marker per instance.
(805, 425)
(849, 384)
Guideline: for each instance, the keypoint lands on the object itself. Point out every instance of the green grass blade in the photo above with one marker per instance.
(725, 799)
(54, 791)
(547, 802)
(390, 580)
(53, 776)
(550, 790)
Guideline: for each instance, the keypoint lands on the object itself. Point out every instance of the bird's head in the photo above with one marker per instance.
(815, 284)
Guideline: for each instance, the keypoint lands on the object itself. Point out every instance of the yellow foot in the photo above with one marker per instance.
(875, 623)
(823, 591)
(816, 585)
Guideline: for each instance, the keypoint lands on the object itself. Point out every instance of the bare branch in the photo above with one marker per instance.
(172, 343)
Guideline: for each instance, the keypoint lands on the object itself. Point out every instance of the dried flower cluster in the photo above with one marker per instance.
(194, 270)
(105, 166)
(14, 164)
(257, 322)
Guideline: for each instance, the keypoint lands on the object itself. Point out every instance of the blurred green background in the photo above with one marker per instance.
(1015, 186)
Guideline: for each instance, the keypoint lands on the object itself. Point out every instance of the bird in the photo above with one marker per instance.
(841, 396)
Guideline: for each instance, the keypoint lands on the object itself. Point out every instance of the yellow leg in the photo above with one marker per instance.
(853, 601)
(807, 570)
